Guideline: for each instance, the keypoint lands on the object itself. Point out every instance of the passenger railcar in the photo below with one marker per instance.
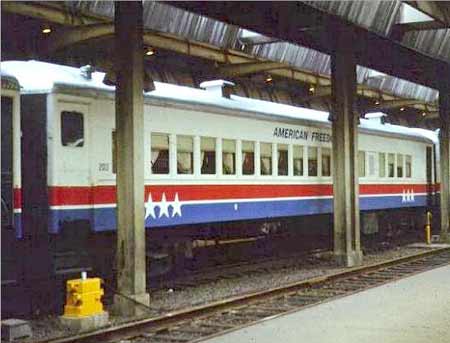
(209, 159)
(10, 176)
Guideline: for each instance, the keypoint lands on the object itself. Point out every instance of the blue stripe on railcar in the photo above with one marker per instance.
(104, 219)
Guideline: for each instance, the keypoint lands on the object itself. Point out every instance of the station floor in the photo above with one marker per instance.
(412, 310)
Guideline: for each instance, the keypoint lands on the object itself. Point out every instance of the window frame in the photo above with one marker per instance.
(178, 136)
(394, 165)
(401, 157)
(215, 173)
(330, 153)
(303, 154)
(243, 160)
(234, 174)
(168, 154)
(410, 166)
(287, 159)
(308, 149)
(83, 128)
(270, 173)
(362, 165)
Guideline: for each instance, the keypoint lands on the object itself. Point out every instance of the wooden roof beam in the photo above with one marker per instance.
(241, 69)
(48, 13)
(67, 37)
(389, 104)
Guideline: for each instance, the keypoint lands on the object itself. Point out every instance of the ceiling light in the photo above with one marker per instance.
(269, 78)
(46, 30)
(312, 89)
(424, 114)
(402, 109)
(150, 52)
(377, 102)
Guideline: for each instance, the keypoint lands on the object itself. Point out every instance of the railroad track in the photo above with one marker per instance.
(199, 323)
(260, 265)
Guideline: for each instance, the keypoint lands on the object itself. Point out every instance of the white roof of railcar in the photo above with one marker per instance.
(41, 77)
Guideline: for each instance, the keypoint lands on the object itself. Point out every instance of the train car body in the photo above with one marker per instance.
(208, 159)
(11, 218)
(215, 168)
(11, 151)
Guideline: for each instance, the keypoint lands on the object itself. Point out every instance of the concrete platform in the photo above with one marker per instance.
(412, 310)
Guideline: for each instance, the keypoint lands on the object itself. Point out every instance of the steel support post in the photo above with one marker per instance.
(131, 262)
(347, 248)
(444, 148)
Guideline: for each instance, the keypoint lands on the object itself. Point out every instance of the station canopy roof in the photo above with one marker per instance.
(422, 26)
(382, 17)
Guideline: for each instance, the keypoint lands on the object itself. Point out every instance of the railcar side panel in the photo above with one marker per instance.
(83, 181)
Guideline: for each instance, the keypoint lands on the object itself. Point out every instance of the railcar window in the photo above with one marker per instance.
(208, 155)
(185, 155)
(382, 164)
(114, 147)
(326, 162)
(298, 160)
(72, 129)
(391, 158)
(362, 163)
(266, 158)
(399, 165)
(408, 166)
(312, 161)
(229, 157)
(248, 158)
(160, 153)
(282, 159)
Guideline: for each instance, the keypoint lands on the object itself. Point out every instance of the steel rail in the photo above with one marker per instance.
(142, 327)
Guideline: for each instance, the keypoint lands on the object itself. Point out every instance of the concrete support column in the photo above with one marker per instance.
(131, 263)
(347, 247)
(444, 148)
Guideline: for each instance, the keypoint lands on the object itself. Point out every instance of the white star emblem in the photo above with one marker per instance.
(176, 206)
(149, 207)
(163, 207)
(404, 196)
(412, 195)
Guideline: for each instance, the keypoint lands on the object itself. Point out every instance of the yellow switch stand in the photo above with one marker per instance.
(83, 297)
(84, 309)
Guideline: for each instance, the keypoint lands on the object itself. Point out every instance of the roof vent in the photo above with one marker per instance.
(377, 117)
(86, 71)
(221, 88)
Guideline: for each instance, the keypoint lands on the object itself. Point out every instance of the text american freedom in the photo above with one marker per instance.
(315, 136)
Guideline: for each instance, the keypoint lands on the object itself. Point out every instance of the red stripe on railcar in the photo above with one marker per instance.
(17, 198)
(107, 194)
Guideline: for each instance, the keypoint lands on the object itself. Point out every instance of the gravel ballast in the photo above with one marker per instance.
(169, 299)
